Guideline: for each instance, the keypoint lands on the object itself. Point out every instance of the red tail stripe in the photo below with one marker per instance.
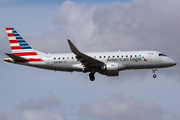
(15, 47)
(35, 59)
(10, 34)
(13, 41)
(26, 54)
(8, 28)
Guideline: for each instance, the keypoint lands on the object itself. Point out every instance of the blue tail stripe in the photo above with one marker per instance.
(17, 35)
(26, 48)
(19, 38)
(14, 31)
(22, 43)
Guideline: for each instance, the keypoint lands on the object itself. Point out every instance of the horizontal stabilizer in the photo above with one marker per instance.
(16, 58)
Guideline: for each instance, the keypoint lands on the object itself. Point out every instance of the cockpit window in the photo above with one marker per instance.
(161, 54)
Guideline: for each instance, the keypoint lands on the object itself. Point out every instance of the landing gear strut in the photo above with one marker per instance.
(91, 76)
(154, 75)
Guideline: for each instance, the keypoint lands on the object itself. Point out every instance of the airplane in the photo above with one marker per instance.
(105, 63)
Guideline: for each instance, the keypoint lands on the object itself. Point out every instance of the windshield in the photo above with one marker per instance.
(161, 54)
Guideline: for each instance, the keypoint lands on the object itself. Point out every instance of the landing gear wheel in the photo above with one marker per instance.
(154, 76)
(91, 76)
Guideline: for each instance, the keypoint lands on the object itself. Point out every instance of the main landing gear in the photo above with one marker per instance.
(154, 75)
(91, 76)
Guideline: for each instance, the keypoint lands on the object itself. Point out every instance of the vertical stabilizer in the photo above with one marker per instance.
(18, 45)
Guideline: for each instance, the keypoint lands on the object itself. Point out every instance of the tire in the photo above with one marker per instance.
(91, 76)
(154, 76)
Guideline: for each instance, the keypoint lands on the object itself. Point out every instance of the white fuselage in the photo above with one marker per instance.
(125, 60)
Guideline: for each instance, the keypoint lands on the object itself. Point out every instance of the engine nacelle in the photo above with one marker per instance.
(112, 69)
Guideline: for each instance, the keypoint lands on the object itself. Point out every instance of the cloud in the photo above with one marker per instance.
(40, 104)
(141, 25)
(34, 115)
(119, 107)
(3, 116)
(176, 116)
(36, 109)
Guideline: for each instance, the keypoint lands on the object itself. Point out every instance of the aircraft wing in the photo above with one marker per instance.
(87, 61)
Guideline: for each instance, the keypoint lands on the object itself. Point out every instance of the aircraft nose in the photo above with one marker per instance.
(172, 62)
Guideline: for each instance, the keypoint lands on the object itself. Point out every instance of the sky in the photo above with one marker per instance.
(28, 93)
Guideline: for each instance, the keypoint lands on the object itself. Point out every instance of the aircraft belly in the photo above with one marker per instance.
(146, 66)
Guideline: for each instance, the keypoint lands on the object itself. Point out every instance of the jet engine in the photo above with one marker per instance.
(112, 69)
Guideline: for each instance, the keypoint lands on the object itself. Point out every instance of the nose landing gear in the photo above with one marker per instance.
(154, 75)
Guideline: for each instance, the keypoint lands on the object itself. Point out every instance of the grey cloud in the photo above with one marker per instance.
(35, 115)
(120, 107)
(176, 116)
(148, 24)
(3, 116)
(142, 25)
(36, 109)
(40, 104)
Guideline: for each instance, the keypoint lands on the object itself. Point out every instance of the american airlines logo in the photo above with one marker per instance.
(136, 59)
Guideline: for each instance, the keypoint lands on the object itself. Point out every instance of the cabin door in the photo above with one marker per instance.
(151, 57)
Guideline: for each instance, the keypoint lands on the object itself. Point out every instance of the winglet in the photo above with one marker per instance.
(73, 47)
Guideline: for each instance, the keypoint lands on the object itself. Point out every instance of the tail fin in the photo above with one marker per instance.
(18, 45)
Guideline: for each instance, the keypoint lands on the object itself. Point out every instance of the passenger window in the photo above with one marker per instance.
(67, 57)
(117, 56)
(113, 56)
(130, 55)
(99, 56)
(94, 56)
(126, 55)
(63, 58)
(135, 55)
(122, 56)
(72, 58)
(104, 56)
(108, 56)
(59, 58)
(54, 58)
(139, 55)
